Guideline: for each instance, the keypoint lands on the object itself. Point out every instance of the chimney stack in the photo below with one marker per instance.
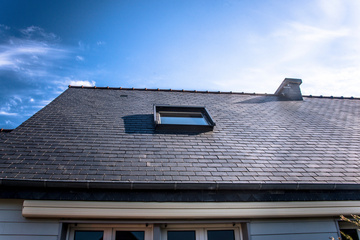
(290, 89)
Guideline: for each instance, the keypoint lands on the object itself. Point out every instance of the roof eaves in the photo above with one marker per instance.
(5, 130)
(174, 186)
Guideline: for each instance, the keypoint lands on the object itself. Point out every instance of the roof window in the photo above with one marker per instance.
(182, 118)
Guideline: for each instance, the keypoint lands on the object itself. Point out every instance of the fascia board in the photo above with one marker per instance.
(185, 210)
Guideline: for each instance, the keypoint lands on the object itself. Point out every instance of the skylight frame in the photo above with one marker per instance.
(181, 110)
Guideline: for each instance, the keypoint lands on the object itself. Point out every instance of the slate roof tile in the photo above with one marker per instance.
(96, 135)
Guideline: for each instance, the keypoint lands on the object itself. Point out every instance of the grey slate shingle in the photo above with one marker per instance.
(97, 135)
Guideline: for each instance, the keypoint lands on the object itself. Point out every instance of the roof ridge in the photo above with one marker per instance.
(207, 91)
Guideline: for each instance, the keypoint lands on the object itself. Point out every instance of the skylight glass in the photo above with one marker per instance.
(185, 118)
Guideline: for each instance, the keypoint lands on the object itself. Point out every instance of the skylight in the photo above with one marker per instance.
(181, 118)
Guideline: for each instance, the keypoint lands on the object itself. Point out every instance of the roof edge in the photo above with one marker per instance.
(175, 186)
(5, 130)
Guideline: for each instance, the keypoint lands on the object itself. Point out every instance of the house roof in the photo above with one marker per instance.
(105, 137)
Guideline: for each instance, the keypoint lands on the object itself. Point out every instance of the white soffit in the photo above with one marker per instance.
(188, 210)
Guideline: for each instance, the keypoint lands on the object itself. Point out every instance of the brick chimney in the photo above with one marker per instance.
(290, 89)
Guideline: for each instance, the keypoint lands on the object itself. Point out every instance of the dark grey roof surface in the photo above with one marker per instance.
(3, 132)
(106, 135)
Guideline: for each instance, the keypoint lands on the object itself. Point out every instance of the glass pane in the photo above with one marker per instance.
(186, 118)
(89, 235)
(350, 232)
(181, 235)
(129, 235)
(221, 235)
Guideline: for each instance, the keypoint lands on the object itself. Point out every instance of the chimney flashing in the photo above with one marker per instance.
(290, 89)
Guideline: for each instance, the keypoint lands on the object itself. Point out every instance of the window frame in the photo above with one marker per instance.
(201, 229)
(158, 109)
(106, 230)
(346, 226)
(110, 229)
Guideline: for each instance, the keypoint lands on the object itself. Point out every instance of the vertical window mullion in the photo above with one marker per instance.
(108, 234)
(202, 234)
(149, 234)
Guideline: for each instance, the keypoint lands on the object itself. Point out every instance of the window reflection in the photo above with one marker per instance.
(181, 235)
(186, 118)
(89, 235)
(129, 235)
(221, 235)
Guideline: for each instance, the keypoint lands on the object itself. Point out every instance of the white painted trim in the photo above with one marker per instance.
(201, 229)
(185, 210)
(110, 229)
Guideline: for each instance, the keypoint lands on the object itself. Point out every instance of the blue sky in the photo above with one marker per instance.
(227, 45)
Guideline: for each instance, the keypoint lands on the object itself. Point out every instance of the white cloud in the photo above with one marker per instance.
(27, 56)
(321, 47)
(37, 65)
(63, 83)
(314, 34)
(325, 54)
(333, 10)
(297, 41)
(82, 83)
(8, 113)
(99, 43)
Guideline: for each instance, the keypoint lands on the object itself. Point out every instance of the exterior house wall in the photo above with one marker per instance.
(298, 229)
(13, 226)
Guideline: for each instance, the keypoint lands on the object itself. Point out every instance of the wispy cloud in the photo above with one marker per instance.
(9, 123)
(99, 43)
(4, 27)
(37, 32)
(324, 53)
(79, 58)
(83, 46)
(27, 56)
(34, 68)
(7, 113)
(320, 46)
